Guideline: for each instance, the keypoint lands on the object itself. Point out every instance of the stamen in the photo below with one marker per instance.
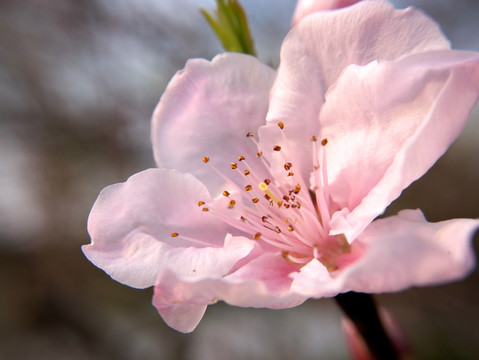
(246, 172)
(205, 209)
(201, 203)
(233, 165)
(206, 159)
(288, 166)
(257, 235)
(250, 134)
(226, 193)
(255, 200)
(231, 204)
(264, 187)
(259, 153)
(277, 148)
(174, 234)
(281, 125)
(241, 158)
(248, 187)
(324, 142)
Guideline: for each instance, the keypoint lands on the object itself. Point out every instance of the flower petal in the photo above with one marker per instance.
(264, 282)
(207, 110)
(306, 7)
(397, 252)
(131, 226)
(387, 123)
(318, 49)
(406, 250)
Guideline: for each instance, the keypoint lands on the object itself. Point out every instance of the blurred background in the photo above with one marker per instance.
(79, 80)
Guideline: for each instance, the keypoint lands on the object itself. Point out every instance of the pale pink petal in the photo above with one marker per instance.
(264, 282)
(207, 110)
(317, 50)
(397, 253)
(387, 123)
(306, 7)
(131, 226)
(183, 318)
(406, 250)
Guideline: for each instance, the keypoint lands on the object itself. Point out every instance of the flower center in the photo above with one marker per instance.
(278, 210)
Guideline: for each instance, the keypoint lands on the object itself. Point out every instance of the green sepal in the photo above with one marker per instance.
(231, 26)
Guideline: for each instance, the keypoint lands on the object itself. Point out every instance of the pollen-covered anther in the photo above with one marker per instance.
(246, 172)
(248, 187)
(267, 181)
(281, 125)
(290, 174)
(226, 193)
(257, 235)
(205, 209)
(206, 159)
(314, 138)
(241, 158)
(259, 153)
(200, 203)
(234, 165)
(174, 234)
(277, 148)
(288, 166)
(255, 200)
(285, 198)
(231, 204)
(250, 134)
(324, 142)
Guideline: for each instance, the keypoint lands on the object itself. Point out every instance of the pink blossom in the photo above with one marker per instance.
(306, 7)
(269, 181)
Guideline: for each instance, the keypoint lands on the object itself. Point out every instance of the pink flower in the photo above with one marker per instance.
(306, 7)
(269, 182)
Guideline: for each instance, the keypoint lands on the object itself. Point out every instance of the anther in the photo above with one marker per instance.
(246, 172)
(242, 218)
(205, 209)
(277, 229)
(249, 134)
(257, 235)
(264, 219)
(288, 166)
(276, 148)
(248, 187)
(285, 198)
(290, 228)
(255, 200)
(267, 181)
(226, 193)
(231, 204)
(314, 138)
(234, 165)
(290, 174)
(324, 142)
(241, 158)
(174, 234)
(206, 159)
(259, 153)
(201, 203)
(281, 125)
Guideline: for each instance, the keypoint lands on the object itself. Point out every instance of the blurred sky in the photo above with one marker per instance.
(79, 80)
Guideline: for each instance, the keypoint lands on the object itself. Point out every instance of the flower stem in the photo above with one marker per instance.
(361, 310)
